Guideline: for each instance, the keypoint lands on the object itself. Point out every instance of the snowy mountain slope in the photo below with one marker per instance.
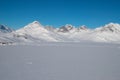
(35, 32)
(111, 28)
(108, 33)
(82, 28)
(6, 35)
(66, 28)
(9, 39)
(50, 28)
(5, 29)
(76, 34)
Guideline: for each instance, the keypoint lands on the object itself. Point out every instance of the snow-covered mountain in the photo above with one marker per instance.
(111, 28)
(5, 33)
(7, 36)
(107, 33)
(5, 29)
(35, 32)
(82, 28)
(66, 28)
(50, 28)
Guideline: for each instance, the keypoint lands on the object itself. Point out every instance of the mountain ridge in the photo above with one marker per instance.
(5, 29)
(36, 32)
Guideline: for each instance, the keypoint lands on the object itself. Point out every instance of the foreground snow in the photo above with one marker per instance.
(60, 61)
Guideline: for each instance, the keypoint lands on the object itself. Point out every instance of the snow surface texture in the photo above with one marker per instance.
(60, 61)
(37, 33)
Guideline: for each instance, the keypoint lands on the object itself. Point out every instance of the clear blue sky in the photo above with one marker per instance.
(92, 13)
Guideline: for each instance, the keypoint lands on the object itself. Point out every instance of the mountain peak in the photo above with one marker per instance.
(35, 22)
(35, 32)
(5, 29)
(66, 28)
(69, 26)
(83, 27)
(33, 28)
(111, 27)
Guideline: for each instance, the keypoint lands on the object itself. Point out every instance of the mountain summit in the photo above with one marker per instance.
(65, 28)
(112, 27)
(5, 29)
(33, 28)
(36, 31)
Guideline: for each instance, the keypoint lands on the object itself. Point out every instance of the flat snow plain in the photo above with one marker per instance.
(60, 61)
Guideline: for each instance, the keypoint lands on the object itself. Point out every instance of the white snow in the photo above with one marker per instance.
(60, 61)
(36, 33)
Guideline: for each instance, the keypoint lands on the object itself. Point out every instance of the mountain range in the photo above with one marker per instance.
(36, 33)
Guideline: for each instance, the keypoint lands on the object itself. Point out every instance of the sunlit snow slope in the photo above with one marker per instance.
(35, 33)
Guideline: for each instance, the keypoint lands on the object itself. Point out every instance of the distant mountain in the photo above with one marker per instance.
(112, 27)
(66, 28)
(50, 28)
(5, 34)
(82, 28)
(108, 33)
(35, 32)
(5, 29)
(32, 28)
